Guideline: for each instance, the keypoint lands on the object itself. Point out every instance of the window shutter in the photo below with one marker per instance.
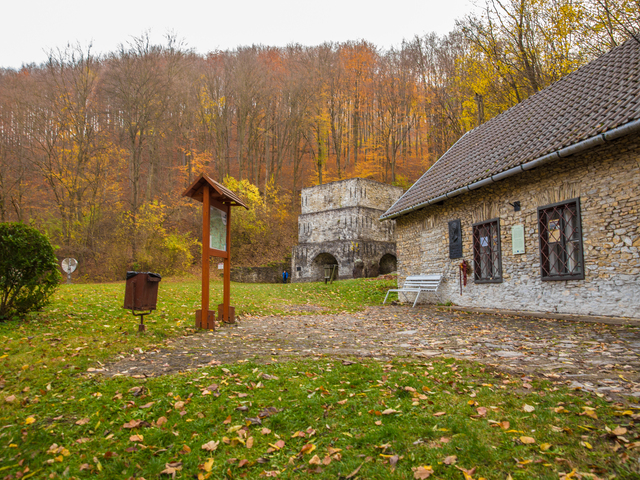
(455, 239)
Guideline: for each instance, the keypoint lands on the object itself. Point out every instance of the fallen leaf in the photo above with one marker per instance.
(315, 460)
(185, 449)
(211, 446)
(451, 460)
(619, 431)
(172, 468)
(439, 414)
(29, 421)
(10, 399)
(242, 463)
(208, 465)
(545, 446)
(389, 411)
(527, 440)
(422, 472)
(227, 420)
(467, 473)
(129, 424)
(528, 408)
(308, 448)
(161, 421)
(136, 438)
(265, 431)
(482, 411)
(355, 472)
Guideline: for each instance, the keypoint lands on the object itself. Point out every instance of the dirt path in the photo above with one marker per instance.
(601, 358)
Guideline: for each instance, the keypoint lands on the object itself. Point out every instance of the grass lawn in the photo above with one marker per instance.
(324, 418)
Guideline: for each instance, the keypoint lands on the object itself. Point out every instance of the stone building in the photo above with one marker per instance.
(340, 225)
(542, 201)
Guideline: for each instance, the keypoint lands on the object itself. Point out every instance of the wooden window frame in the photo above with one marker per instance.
(567, 248)
(494, 253)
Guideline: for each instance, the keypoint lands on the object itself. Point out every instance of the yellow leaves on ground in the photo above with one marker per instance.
(527, 440)
(29, 421)
(308, 448)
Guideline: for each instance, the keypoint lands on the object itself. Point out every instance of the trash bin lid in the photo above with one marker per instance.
(151, 274)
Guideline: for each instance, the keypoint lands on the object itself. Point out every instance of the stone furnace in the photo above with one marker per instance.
(339, 225)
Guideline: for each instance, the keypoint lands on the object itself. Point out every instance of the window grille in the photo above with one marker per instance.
(560, 233)
(487, 256)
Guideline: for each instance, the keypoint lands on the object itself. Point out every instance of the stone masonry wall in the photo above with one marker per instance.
(270, 274)
(350, 223)
(607, 181)
(355, 192)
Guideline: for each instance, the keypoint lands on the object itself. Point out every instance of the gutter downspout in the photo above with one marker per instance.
(581, 146)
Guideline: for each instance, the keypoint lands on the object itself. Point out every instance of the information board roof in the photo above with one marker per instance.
(218, 192)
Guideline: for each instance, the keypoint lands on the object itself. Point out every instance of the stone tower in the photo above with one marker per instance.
(339, 225)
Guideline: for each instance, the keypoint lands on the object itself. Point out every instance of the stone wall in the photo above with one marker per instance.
(350, 223)
(355, 192)
(607, 182)
(270, 274)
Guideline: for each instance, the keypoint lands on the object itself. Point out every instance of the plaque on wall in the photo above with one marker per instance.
(517, 239)
(455, 239)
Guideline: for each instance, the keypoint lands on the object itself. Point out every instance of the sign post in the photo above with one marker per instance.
(69, 266)
(217, 201)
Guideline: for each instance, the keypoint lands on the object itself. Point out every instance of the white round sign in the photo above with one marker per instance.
(69, 265)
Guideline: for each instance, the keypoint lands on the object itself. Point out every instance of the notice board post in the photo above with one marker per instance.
(217, 201)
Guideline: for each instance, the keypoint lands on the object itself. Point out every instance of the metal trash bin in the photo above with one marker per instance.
(141, 293)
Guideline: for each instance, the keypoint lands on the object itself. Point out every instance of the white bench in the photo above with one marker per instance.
(417, 284)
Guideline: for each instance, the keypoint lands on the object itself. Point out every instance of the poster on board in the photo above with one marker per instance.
(218, 229)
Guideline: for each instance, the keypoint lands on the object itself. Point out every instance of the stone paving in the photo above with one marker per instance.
(603, 359)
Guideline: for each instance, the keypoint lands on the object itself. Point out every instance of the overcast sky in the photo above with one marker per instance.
(31, 28)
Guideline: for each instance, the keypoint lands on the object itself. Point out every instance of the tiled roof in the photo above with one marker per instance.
(596, 98)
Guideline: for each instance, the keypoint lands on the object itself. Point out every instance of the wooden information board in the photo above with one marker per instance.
(217, 201)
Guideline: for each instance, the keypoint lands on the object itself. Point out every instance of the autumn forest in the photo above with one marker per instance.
(96, 150)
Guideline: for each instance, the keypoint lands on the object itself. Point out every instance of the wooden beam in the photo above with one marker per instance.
(206, 222)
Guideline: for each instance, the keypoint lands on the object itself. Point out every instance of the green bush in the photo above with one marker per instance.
(28, 270)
